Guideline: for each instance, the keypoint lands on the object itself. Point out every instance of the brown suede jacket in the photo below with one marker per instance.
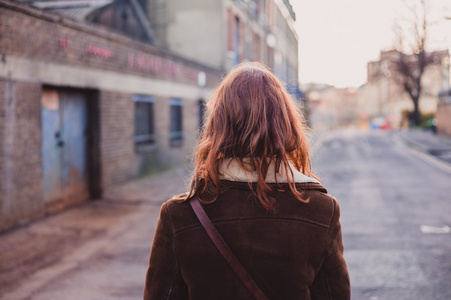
(295, 252)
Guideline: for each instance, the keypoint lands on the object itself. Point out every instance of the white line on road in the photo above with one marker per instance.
(435, 229)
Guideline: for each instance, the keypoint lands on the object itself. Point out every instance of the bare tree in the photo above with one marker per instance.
(413, 59)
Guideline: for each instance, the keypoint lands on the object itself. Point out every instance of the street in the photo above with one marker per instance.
(103, 102)
(96, 251)
(100, 250)
(386, 193)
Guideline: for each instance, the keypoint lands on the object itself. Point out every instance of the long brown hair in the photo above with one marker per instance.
(251, 118)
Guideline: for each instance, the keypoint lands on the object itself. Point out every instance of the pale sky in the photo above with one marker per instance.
(338, 37)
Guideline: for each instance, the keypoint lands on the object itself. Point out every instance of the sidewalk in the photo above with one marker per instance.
(97, 250)
(438, 146)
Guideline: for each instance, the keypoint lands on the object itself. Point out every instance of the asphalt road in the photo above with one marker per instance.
(386, 194)
(100, 250)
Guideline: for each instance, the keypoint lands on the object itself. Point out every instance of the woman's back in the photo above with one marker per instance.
(283, 251)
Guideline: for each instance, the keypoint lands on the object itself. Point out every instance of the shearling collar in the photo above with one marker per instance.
(231, 170)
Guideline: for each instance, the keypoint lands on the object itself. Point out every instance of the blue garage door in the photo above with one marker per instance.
(64, 146)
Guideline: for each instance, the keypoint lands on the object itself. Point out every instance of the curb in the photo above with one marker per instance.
(422, 153)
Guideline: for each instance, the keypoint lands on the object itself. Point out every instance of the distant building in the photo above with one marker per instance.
(443, 114)
(386, 98)
(223, 33)
(333, 108)
(84, 106)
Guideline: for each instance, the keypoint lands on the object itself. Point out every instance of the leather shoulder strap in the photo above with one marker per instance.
(225, 250)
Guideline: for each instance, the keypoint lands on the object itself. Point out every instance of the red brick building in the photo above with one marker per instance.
(83, 108)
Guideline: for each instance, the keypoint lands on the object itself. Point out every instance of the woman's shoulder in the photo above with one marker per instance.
(320, 206)
(236, 201)
(178, 212)
(176, 201)
(318, 192)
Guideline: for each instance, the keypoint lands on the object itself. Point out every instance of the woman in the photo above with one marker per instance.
(253, 176)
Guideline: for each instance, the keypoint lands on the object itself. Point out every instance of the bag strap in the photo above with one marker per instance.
(225, 250)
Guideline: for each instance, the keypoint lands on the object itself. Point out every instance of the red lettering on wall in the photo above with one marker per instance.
(158, 65)
(190, 73)
(99, 51)
(154, 64)
(64, 42)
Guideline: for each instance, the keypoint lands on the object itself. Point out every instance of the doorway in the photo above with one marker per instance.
(66, 144)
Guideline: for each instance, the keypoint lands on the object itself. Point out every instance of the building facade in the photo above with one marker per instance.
(387, 98)
(443, 114)
(332, 108)
(223, 33)
(83, 108)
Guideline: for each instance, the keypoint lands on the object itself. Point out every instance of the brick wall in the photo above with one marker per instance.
(120, 161)
(70, 43)
(21, 165)
(116, 138)
(443, 116)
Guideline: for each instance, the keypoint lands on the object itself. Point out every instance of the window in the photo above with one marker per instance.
(176, 119)
(144, 123)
